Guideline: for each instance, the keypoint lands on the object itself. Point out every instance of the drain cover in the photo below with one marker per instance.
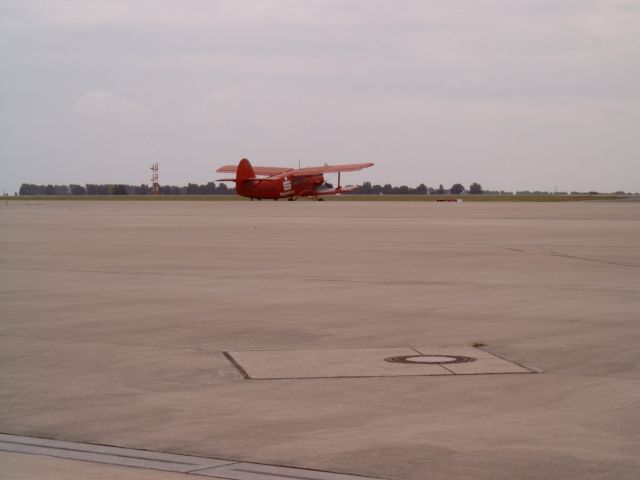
(430, 359)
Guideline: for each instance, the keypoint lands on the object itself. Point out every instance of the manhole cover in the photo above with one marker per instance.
(430, 359)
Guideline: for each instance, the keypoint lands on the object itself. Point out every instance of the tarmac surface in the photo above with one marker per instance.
(115, 317)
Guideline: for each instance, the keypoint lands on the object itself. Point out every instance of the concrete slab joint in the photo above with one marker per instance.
(369, 362)
(167, 462)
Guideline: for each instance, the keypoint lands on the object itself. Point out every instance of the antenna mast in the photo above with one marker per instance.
(155, 186)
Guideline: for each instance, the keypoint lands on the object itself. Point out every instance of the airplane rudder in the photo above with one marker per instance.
(245, 170)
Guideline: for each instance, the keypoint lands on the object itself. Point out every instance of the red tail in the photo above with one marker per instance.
(244, 171)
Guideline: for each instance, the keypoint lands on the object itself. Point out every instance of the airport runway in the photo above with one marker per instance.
(116, 316)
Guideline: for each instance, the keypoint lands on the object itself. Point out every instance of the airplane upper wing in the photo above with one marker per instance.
(267, 171)
(351, 167)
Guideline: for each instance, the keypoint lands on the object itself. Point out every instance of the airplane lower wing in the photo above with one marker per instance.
(336, 191)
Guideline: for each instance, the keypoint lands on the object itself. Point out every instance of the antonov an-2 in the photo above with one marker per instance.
(281, 182)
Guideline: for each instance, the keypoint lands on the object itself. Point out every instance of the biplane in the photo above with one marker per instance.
(282, 182)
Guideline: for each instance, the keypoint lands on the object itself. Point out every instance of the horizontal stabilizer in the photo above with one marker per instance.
(268, 171)
(261, 179)
(250, 179)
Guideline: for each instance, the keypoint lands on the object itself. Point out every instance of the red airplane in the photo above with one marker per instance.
(290, 183)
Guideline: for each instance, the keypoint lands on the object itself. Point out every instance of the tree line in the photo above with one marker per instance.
(456, 189)
(121, 189)
(221, 189)
(211, 188)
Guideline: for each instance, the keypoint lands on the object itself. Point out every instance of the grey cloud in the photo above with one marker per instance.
(97, 103)
(511, 94)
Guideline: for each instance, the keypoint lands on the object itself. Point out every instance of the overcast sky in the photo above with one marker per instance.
(513, 94)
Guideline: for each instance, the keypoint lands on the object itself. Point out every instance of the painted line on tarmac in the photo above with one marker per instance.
(167, 462)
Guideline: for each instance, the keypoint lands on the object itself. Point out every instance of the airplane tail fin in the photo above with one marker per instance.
(244, 171)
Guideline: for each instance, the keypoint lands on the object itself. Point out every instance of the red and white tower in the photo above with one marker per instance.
(155, 186)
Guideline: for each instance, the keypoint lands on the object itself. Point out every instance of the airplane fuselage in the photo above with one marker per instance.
(278, 182)
(283, 187)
